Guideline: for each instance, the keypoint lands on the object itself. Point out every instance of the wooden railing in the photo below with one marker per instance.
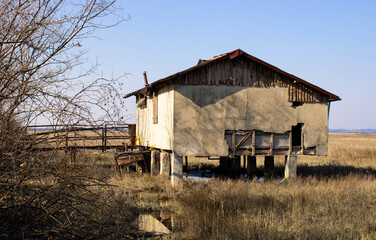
(103, 137)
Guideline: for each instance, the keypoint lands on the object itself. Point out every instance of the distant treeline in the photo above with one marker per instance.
(361, 131)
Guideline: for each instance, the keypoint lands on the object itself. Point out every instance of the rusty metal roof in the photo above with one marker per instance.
(232, 55)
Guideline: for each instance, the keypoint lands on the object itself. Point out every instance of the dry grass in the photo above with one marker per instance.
(302, 209)
(333, 197)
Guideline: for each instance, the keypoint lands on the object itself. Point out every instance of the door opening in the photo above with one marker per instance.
(297, 135)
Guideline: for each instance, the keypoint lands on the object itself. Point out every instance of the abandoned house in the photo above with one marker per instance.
(230, 106)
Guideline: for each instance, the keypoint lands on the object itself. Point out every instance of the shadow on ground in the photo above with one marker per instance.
(329, 171)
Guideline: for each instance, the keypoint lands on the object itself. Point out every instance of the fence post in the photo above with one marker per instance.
(105, 137)
(104, 133)
(66, 140)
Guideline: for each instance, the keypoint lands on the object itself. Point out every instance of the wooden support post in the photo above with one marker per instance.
(154, 162)
(138, 169)
(243, 161)
(73, 151)
(253, 143)
(271, 143)
(132, 134)
(291, 166)
(268, 166)
(222, 164)
(176, 168)
(233, 167)
(66, 141)
(302, 142)
(251, 166)
(186, 163)
(165, 163)
(290, 143)
(233, 140)
(120, 171)
(103, 138)
(236, 164)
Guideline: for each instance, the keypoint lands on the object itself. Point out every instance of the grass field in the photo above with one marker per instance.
(334, 197)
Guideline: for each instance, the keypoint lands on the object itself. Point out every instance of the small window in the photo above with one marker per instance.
(155, 107)
(297, 104)
(141, 102)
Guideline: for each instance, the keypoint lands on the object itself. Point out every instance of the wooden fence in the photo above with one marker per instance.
(117, 137)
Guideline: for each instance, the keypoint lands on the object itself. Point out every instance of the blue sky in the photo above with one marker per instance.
(329, 43)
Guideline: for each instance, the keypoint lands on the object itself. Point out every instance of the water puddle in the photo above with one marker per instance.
(198, 175)
(206, 176)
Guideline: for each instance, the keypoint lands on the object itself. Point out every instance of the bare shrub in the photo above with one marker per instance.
(42, 75)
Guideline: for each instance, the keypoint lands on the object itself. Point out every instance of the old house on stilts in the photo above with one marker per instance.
(228, 106)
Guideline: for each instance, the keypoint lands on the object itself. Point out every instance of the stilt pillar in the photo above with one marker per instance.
(154, 162)
(236, 166)
(165, 163)
(186, 167)
(222, 163)
(243, 163)
(251, 166)
(291, 166)
(268, 166)
(176, 168)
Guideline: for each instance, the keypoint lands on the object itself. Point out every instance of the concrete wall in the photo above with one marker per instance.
(156, 135)
(203, 113)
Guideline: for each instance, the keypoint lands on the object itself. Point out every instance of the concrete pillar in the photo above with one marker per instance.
(251, 166)
(154, 162)
(291, 166)
(268, 166)
(176, 168)
(165, 163)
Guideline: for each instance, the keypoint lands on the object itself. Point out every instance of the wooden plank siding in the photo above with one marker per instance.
(243, 72)
(155, 107)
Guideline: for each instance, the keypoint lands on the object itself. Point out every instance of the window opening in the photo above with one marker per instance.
(141, 102)
(297, 104)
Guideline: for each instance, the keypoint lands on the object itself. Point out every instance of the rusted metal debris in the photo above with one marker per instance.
(127, 158)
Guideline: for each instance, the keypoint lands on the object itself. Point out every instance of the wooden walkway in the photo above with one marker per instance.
(115, 137)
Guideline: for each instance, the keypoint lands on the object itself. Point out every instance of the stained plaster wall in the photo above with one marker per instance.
(157, 135)
(203, 113)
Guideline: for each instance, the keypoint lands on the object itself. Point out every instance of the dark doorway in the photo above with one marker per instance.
(297, 135)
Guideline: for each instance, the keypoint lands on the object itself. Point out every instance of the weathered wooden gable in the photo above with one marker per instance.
(242, 71)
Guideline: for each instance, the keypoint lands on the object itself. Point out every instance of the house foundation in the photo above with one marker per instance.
(154, 162)
(291, 166)
(251, 166)
(165, 163)
(176, 168)
(268, 166)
